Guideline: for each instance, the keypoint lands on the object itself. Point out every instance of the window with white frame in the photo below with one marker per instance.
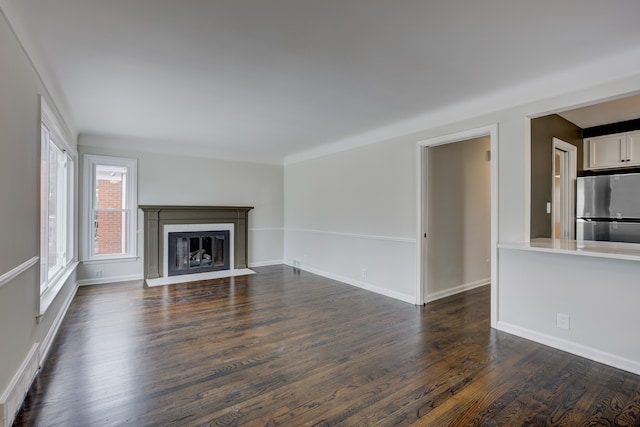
(110, 207)
(57, 180)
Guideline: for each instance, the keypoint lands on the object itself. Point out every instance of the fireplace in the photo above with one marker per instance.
(225, 226)
(198, 252)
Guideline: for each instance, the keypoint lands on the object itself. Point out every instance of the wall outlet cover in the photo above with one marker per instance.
(563, 321)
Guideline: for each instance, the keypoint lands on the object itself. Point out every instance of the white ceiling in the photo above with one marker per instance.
(262, 79)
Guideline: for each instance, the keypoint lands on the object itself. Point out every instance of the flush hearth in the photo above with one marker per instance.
(198, 252)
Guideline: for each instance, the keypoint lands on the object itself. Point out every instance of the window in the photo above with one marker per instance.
(110, 217)
(57, 180)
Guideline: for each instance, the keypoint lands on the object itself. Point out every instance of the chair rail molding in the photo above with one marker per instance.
(15, 272)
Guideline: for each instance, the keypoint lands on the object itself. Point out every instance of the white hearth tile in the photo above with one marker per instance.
(186, 278)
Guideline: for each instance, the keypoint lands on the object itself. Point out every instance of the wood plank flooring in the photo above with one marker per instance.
(290, 348)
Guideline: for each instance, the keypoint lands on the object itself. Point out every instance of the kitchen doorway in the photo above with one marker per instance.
(564, 170)
(457, 201)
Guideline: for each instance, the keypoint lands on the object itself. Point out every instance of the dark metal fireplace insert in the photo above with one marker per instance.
(198, 252)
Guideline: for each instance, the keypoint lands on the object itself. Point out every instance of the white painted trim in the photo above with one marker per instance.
(363, 285)
(109, 260)
(179, 148)
(61, 136)
(527, 179)
(495, 224)
(110, 279)
(570, 218)
(492, 132)
(266, 263)
(175, 228)
(52, 291)
(89, 161)
(55, 326)
(353, 236)
(14, 394)
(422, 160)
(15, 272)
(457, 289)
(267, 229)
(581, 350)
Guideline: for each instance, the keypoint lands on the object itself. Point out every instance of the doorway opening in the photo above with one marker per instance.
(564, 170)
(434, 193)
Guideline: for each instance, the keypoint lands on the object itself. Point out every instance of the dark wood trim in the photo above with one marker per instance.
(157, 216)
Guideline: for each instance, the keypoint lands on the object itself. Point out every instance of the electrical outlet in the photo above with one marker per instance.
(98, 273)
(562, 321)
(363, 273)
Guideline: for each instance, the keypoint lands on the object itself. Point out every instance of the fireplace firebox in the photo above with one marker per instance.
(198, 252)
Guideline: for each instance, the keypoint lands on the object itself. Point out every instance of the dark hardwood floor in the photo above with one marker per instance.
(291, 348)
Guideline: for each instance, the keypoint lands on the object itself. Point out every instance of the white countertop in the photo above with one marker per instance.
(627, 251)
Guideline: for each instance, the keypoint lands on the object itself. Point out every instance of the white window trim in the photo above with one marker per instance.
(90, 160)
(47, 297)
(62, 140)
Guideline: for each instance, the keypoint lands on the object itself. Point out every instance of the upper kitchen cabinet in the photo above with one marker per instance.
(612, 151)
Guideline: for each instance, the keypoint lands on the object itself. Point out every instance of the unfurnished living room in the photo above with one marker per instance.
(340, 212)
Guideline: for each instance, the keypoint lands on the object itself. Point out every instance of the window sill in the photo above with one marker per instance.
(109, 260)
(52, 291)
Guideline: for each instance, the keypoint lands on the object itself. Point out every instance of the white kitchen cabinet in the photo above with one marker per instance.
(633, 147)
(612, 151)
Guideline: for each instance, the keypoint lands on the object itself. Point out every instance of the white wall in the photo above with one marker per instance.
(169, 179)
(370, 191)
(353, 211)
(20, 330)
(459, 217)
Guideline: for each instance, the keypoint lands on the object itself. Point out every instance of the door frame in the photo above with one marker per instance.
(422, 199)
(570, 217)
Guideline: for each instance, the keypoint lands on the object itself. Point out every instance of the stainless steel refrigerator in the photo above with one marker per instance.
(608, 208)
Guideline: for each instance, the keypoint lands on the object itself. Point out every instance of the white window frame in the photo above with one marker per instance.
(89, 205)
(52, 136)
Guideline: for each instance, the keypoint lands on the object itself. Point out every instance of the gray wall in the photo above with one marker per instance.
(347, 217)
(459, 216)
(170, 179)
(19, 209)
(543, 130)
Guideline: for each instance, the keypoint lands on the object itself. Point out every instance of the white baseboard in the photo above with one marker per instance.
(12, 398)
(110, 279)
(265, 263)
(581, 350)
(366, 286)
(53, 331)
(457, 289)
